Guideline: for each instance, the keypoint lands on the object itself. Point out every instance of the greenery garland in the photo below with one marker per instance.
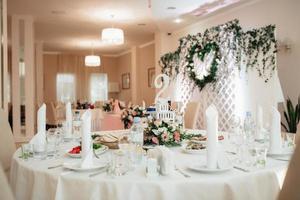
(167, 60)
(255, 49)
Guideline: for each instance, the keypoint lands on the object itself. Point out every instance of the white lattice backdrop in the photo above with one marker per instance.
(222, 95)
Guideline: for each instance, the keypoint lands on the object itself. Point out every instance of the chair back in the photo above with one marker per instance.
(51, 114)
(5, 192)
(191, 115)
(7, 143)
(290, 188)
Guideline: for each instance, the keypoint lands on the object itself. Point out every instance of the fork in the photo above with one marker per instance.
(181, 172)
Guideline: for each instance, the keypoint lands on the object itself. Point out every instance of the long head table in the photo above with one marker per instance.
(33, 180)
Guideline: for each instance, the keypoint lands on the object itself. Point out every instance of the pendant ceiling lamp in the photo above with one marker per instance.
(92, 60)
(114, 36)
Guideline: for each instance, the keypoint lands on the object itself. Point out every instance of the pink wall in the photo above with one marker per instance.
(54, 63)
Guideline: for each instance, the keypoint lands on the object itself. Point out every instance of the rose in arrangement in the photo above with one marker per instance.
(128, 115)
(159, 132)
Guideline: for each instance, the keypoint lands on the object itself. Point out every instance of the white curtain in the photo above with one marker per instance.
(65, 87)
(98, 87)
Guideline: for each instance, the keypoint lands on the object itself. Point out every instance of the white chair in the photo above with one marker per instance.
(5, 191)
(7, 143)
(191, 115)
(51, 114)
(290, 188)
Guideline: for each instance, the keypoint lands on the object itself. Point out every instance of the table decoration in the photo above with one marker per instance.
(108, 106)
(159, 132)
(131, 112)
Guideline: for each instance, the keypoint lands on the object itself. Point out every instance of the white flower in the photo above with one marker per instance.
(161, 130)
(156, 132)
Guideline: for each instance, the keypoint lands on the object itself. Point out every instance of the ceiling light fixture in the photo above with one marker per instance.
(112, 35)
(92, 60)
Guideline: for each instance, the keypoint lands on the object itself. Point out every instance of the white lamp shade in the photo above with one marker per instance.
(92, 61)
(113, 36)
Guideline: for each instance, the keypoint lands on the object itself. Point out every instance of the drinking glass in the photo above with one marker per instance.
(261, 157)
(126, 148)
(27, 151)
(40, 151)
(249, 156)
(119, 163)
(52, 141)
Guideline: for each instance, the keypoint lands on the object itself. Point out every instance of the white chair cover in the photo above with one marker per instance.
(290, 188)
(5, 190)
(7, 143)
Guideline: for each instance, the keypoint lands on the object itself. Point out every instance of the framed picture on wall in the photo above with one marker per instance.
(151, 77)
(126, 81)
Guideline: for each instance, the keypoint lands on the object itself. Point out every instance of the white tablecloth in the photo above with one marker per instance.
(33, 180)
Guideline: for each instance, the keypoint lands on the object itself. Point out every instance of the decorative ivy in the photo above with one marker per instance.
(201, 51)
(255, 49)
(169, 64)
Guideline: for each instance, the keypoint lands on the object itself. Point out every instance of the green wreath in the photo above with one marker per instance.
(201, 51)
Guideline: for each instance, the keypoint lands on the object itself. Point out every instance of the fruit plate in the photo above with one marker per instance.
(99, 151)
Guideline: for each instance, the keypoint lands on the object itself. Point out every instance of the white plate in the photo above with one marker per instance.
(99, 151)
(204, 169)
(147, 147)
(193, 151)
(77, 167)
(284, 152)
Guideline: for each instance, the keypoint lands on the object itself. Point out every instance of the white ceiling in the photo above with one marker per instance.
(73, 25)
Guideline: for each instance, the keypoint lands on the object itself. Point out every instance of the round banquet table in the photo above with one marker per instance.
(33, 180)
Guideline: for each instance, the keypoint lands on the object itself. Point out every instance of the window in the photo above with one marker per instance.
(65, 87)
(98, 87)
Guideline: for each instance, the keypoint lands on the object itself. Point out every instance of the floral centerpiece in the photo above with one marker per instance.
(159, 132)
(128, 115)
(108, 106)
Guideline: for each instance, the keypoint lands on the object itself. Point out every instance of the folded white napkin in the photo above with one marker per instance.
(40, 137)
(165, 159)
(259, 123)
(144, 104)
(211, 114)
(69, 119)
(86, 143)
(275, 134)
